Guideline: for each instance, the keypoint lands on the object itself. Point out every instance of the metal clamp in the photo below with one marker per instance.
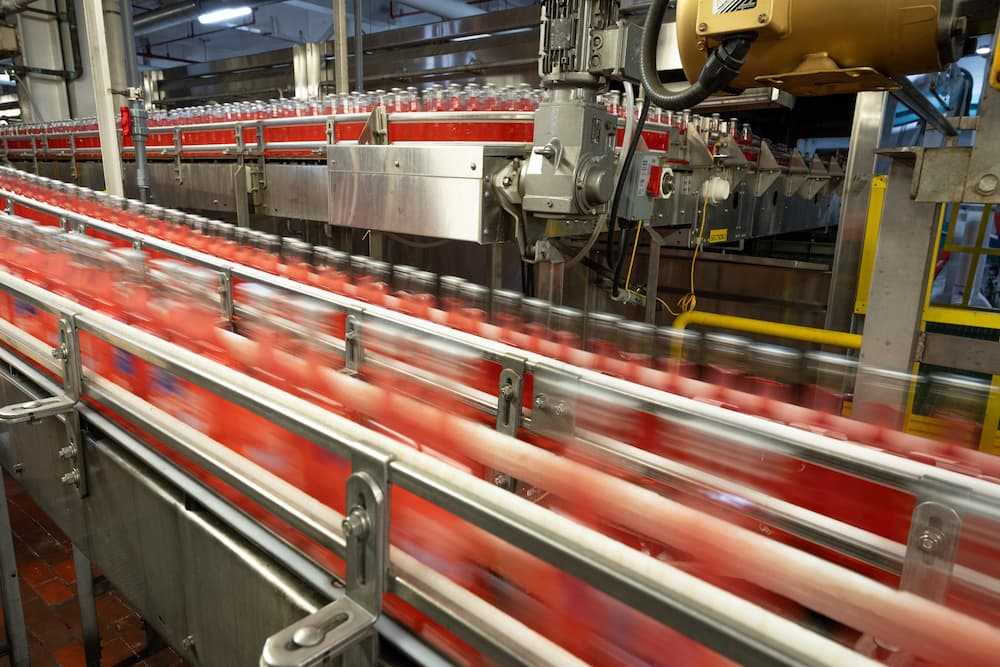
(346, 627)
(353, 352)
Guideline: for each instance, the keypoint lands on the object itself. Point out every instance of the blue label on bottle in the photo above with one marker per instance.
(24, 308)
(165, 383)
(124, 362)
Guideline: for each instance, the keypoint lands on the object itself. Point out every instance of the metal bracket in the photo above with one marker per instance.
(353, 352)
(509, 416)
(927, 566)
(554, 406)
(376, 129)
(346, 627)
(34, 411)
(68, 353)
(226, 294)
(509, 402)
(798, 173)
(768, 170)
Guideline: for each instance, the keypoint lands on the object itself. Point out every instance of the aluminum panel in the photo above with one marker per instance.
(295, 191)
(204, 186)
(439, 190)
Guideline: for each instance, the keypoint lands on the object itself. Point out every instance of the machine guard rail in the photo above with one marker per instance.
(724, 622)
(717, 423)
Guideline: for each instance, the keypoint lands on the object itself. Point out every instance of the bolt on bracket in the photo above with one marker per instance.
(37, 410)
(927, 566)
(353, 352)
(346, 627)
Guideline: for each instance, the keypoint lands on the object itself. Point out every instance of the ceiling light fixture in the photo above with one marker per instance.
(224, 14)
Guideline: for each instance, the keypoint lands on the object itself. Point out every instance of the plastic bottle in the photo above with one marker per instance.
(296, 257)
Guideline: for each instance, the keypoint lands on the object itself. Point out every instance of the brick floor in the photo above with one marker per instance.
(51, 609)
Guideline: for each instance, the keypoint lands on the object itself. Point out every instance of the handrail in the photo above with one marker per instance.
(764, 328)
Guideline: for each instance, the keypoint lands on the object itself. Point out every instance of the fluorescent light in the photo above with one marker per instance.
(468, 38)
(984, 50)
(224, 14)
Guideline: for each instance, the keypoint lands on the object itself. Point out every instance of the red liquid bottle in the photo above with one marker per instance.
(296, 257)
(332, 269)
(133, 303)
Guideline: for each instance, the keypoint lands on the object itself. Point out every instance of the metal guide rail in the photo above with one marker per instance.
(563, 384)
(296, 137)
(729, 625)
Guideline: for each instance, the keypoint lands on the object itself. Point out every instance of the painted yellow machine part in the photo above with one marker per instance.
(816, 47)
(995, 69)
(876, 201)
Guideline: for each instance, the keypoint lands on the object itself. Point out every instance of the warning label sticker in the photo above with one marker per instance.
(729, 6)
(718, 236)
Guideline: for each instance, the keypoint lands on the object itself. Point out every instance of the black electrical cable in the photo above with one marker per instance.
(611, 247)
(616, 256)
(723, 65)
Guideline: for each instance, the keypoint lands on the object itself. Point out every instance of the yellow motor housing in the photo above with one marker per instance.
(823, 47)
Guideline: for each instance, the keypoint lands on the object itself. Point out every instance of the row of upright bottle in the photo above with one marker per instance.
(435, 97)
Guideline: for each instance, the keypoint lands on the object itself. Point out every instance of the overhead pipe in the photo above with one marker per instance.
(166, 17)
(448, 9)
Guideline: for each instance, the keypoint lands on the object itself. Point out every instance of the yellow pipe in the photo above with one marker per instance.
(775, 329)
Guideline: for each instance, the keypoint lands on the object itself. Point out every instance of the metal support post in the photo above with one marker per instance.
(88, 608)
(898, 294)
(242, 194)
(376, 244)
(17, 633)
(496, 268)
(100, 73)
(550, 273)
(137, 104)
(359, 51)
(307, 60)
(340, 45)
(870, 116)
